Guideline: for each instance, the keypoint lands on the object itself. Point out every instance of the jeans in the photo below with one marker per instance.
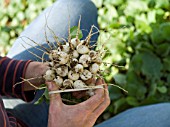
(58, 17)
(157, 115)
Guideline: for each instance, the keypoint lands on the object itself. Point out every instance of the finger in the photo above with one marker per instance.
(101, 108)
(90, 82)
(54, 98)
(99, 81)
(93, 102)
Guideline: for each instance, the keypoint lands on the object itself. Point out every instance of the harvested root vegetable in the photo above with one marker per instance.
(49, 75)
(86, 75)
(73, 63)
(79, 68)
(82, 49)
(73, 75)
(58, 80)
(85, 60)
(94, 68)
(79, 84)
(67, 83)
(62, 71)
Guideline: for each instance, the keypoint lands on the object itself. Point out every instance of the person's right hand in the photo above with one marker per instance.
(83, 114)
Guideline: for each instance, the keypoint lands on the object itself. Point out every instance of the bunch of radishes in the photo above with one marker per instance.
(73, 63)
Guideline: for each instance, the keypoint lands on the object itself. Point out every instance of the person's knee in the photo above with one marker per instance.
(78, 7)
(73, 9)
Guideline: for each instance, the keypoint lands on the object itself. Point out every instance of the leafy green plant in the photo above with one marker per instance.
(139, 39)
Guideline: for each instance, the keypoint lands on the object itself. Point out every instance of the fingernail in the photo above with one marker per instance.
(103, 81)
(98, 79)
(50, 86)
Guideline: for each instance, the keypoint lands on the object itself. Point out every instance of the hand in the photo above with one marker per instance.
(35, 69)
(83, 114)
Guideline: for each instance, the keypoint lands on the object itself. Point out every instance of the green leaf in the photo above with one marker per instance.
(163, 49)
(162, 4)
(152, 89)
(98, 3)
(162, 89)
(151, 16)
(141, 23)
(136, 63)
(114, 2)
(156, 35)
(135, 85)
(40, 100)
(120, 79)
(165, 30)
(160, 32)
(151, 65)
(135, 7)
(73, 32)
(118, 104)
(168, 79)
(132, 101)
(111, 12)
(149, 100)
(43, 85)
(46, 94)
(166, 64)
(114, 93)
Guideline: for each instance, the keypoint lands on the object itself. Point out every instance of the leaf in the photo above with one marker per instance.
(114, 93)
(163, 49)
(114, 2)
(73, 32)
(136, 63)
(98, 3)
(118, 104)
(132, 101)
(152, 89)
(165, 30)
(120, 79)
(141, 23)
(111, 12)
(168, 79)
(46, 94)
(166, 64)
(156, 35)
(135, 85)
(160, 32)
(162, 4)
(43, 85)
(162, 89)
(151, 65)
(149, 100)
(151, 16)
(40, 100)
(134, 7)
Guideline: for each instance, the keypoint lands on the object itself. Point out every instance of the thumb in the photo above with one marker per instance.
(55, 98)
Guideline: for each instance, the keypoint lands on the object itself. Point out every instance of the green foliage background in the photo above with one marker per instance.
(136, 34)
(15, 15)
